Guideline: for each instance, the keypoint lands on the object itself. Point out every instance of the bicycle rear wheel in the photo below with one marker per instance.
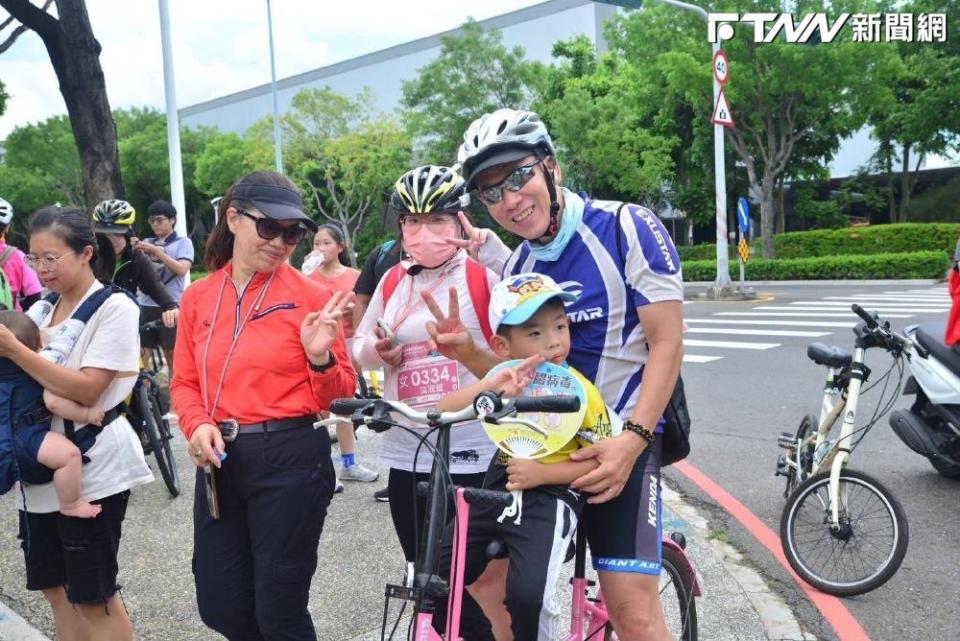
(863, 553)
(676, 598)
(158, 433)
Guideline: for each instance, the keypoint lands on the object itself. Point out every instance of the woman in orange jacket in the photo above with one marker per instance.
(259, 354)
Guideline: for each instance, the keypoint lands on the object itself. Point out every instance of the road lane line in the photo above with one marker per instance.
(789, 323)
(914, 310)
(696, 358)
(805, 314)
(729, 344)
(833, 610)
(753, 332)
(837, 303)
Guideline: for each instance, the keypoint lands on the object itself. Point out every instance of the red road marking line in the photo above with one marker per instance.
(832, 608)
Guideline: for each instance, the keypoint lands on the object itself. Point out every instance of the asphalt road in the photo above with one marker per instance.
(742, 401)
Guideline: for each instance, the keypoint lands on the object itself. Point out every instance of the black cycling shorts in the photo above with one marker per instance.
(624, 534)
(165, 336)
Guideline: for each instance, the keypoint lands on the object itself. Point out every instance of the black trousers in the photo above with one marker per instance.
(538, 537)
(253, 566)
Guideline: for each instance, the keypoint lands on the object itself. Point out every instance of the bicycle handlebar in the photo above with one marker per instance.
(495, 408)
(867, 318)
(884, 330)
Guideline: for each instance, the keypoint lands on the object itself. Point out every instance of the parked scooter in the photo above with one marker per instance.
(931, 427)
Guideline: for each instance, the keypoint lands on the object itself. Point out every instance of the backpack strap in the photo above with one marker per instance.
(477, 285)
(391, 280)
(5, 256)
(479, 288)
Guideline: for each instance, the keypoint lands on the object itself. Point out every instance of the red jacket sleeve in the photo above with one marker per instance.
(185, 387)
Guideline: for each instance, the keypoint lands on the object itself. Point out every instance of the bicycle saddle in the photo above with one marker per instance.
(835, 357)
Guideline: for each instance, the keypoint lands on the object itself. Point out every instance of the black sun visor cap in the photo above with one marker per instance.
(274, 201)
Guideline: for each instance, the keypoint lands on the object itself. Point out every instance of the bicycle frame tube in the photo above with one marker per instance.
(846, 432)
(457, 567)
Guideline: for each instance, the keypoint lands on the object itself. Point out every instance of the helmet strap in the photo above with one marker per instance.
(554, 225)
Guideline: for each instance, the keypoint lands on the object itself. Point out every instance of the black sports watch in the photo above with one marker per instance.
(640, 431)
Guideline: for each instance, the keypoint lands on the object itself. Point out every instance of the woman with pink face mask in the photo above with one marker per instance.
(427, 202)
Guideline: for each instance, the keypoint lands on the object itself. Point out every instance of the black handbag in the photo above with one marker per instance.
(676, 430)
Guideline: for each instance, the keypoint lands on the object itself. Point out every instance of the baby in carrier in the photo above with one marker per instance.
(33, 453)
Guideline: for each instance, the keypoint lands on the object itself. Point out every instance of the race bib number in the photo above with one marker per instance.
(425, 377)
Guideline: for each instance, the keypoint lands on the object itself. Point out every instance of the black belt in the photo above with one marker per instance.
(278, 425)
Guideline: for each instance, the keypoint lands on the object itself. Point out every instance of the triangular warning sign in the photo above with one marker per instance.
(721, 112)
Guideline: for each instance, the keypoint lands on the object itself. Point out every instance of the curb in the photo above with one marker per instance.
(14, 628)
(777, 618)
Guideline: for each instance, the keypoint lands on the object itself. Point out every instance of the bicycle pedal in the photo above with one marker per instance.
(787, 440)
(782, 467)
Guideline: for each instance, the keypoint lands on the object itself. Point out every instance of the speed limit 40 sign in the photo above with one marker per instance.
(721, 67)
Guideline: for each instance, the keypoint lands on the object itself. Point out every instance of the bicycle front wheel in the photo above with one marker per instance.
(859, 555)
(158, 433)
(676, 598)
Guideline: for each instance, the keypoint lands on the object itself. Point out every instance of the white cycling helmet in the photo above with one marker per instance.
(504, 136)
(6, 212)
(501, 137)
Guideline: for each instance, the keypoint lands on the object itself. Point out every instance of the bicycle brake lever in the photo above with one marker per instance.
(333, 420)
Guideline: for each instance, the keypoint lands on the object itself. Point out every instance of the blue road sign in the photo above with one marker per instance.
(743, 216)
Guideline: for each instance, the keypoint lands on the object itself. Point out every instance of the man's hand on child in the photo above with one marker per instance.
(523, 474)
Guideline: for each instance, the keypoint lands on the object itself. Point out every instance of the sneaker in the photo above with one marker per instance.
(382, 495)
(357, 472)
(338, 488)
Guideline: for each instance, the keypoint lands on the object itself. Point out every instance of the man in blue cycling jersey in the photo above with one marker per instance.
(626, 326)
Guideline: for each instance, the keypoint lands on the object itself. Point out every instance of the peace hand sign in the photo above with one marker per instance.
(475, 237)
(511, 382)
(320, 329)
(448, 333)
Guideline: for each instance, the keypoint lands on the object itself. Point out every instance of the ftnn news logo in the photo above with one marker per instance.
(818, 27)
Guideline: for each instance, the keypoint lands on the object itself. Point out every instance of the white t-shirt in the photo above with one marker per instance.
(470, 449)
(110, 340)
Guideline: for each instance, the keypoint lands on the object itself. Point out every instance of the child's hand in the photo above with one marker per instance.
(95, 416)
(523, 474)
(510, 382)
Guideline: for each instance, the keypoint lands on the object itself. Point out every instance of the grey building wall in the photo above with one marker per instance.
(534, 28)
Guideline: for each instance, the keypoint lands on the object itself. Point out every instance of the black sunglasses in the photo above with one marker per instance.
(514, 181)
(268, 229)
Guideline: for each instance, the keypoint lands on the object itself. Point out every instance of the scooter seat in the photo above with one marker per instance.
(835, 357)
(930, 336)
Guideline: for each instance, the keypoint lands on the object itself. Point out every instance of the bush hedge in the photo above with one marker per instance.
(876, 239)
(924, 264)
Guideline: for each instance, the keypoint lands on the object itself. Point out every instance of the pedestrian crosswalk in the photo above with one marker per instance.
(706, 336)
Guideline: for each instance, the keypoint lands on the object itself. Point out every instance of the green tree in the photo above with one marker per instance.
(350, 174)
(4, 96)
(474, 74)
(919, 116)
(783, 95)
(222, 161)
(75, 56)
(45, 153)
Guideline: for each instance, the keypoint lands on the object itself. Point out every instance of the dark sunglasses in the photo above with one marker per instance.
(514, 181)
(268, 229)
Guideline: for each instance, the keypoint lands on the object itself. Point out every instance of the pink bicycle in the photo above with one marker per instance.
(423, 587)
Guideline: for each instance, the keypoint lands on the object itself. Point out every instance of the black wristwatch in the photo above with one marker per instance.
(322, 368)
(640, 431)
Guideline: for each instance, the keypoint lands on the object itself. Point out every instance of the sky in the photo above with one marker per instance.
(222, 46)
